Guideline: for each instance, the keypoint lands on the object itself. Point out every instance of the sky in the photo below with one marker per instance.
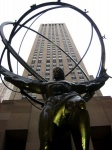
(100, 12)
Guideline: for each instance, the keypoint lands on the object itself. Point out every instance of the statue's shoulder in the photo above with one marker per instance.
(64, 82)
(57, 82)
(49, 83)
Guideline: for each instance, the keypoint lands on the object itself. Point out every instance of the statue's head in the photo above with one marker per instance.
(58, 74)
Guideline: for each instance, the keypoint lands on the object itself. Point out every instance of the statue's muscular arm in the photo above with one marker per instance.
(23, 83)
(31, 85)
(91, 86)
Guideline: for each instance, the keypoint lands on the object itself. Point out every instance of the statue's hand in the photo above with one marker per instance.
(103, 77)
(88, 96)
(97, 83)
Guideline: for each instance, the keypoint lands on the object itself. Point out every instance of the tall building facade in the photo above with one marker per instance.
(46, 55)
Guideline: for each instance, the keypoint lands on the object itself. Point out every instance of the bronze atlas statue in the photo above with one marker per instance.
(64, 107)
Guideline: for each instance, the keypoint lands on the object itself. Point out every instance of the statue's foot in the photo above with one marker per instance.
(45, 146)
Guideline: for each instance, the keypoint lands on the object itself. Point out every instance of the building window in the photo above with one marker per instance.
(60, 64)
(60, 56)
(74, 58)
(48, 61)
(60, 60)
(35, 54)
(33, 61)
(33, 95)
(29, 76)
(73, 78)
(79, 72)
(48, 47)
(47, 73)
(48, 52)
(34, 57)
(41, 53)
(54, 65)
(32, 65)
(54, 56)
(47, 65)
(41, 50)
(47, 78)
(69, 60)
(72, 53)
(38, 69)
(82, 80)
(70, 65)
(40, 56)
(54, 60)
(81, 76)
(48, 56)
(39, 61)
(77, 68)
(59, 53)
(47, 69)
(72, 73)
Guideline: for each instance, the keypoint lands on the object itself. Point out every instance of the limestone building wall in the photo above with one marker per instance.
(19, 124)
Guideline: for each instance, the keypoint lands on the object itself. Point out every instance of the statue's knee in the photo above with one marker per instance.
(76, 103)
(44, 146)
(82, 104)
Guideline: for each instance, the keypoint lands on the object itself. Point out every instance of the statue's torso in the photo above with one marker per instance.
(57, 88)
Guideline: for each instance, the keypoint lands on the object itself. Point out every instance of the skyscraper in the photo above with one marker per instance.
(46, 55)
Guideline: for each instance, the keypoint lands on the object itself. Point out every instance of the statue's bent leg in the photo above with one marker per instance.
(79, 122)
(45, 128)
(51, 115)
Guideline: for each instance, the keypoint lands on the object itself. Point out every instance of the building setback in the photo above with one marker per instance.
(5, 93)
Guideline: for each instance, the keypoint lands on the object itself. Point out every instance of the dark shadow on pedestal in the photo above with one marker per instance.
(15, 139)
(62, 139)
